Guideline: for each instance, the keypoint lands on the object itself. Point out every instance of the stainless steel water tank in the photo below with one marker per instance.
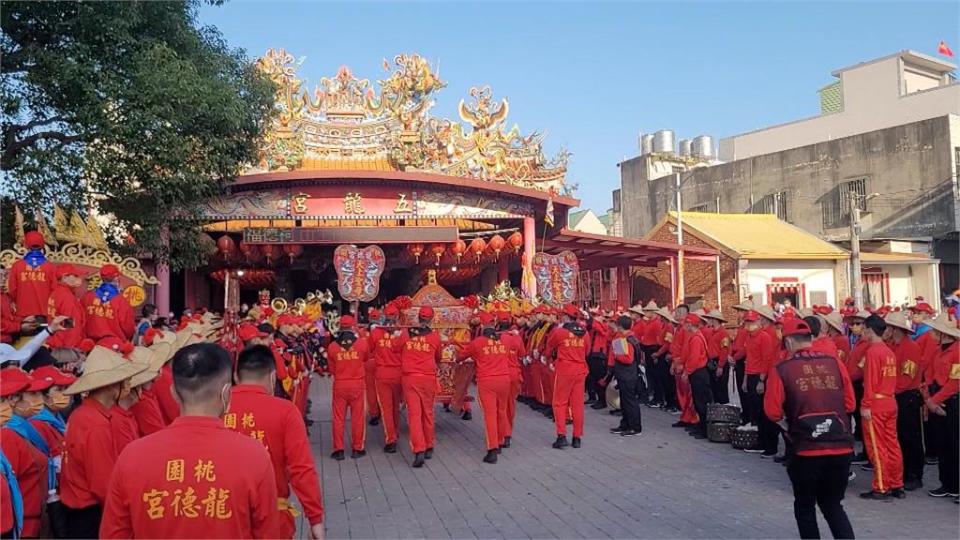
(646, 143)
(663, 141)
(685, 147)
(703, 147)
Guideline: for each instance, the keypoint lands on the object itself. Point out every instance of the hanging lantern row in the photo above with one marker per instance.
(477, 247)
(254, 253)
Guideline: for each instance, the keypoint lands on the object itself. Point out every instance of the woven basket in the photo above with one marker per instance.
(745, 440)
(720, 431)
(729, 414)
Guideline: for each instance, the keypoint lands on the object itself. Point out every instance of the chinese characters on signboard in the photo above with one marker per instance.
(358, 271)
(556, 276)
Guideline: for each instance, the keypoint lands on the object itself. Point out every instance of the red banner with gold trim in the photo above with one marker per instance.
(358, 272)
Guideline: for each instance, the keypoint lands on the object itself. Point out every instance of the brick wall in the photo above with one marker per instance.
(699, 276)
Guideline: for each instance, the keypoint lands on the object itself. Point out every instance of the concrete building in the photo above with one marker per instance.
(888, 136)
(585, 221)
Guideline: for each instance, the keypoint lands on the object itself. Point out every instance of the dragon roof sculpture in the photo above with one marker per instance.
(344, 124)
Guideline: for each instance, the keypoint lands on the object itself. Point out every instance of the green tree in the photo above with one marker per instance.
(129, 108)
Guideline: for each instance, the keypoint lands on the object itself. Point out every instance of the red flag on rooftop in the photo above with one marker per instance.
(944, 49)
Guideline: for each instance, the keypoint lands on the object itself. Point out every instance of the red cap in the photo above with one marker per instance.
(923, 307)
(882, 311)
(825, 309)
(286, 319)
(15, 380)
(86, 345)
(485, 317)
(67, 269)
(33, 239)
(504, 316)
(53, 375)
(692, 319)
(373, 314)
(794, 327)
(571, 310)
(109, 271)
(391, 311)
(246, 332)
(116, 344)
(751, 316)
(347, 321)
(425, 313)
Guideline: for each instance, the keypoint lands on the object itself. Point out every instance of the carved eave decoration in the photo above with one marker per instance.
(345, 124)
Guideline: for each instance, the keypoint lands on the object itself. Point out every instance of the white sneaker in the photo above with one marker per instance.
(753, 450)
(852, 477)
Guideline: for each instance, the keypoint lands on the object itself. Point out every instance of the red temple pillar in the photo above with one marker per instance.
(624, 287)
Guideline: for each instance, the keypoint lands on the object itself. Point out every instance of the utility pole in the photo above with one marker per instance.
(855, 250)
(681, 293)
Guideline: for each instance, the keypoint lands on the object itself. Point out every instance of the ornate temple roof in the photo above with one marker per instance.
(345, 124)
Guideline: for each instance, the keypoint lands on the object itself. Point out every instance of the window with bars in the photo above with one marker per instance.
(835, 205)
(774, 203)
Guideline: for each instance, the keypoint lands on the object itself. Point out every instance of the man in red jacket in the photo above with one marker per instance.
(492, 360)
(910, 369)
(32, 278)
(941, 397)
(695, 373)
(29, 462)
(108, 312)
(566, 348)
(879, 412)
(761, 354)
(195, 478)
(388, 388)
(810, 395)
(64, 301)
(277, 423)
(370, 376)
(347, 357)
(516, 350)
(623, 363)
(420, 349)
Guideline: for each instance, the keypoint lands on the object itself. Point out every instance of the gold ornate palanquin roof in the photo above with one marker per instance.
(344, 124)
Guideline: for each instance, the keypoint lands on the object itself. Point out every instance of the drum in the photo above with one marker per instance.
(720, 431)
(745, 439)
(728, 414)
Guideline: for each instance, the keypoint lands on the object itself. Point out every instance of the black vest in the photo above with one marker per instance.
(814, 403)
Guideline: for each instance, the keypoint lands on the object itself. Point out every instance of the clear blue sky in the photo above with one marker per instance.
(593, 75)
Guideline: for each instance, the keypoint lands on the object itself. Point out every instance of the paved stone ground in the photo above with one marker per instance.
(661, 484)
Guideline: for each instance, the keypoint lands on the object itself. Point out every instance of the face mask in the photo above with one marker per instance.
(57, 400)
(29, 405)
(6, 412)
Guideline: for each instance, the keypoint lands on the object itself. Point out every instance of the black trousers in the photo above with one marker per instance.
(769, 432)
(949, 446)
(719, 386)
(597, 364)
(627, 376)
(654, 383)
(740, 374)
(910, 434)
(84, 522)
(858, 422)
(932, 428)
(820, 481)
(667, 381)
(702, 395)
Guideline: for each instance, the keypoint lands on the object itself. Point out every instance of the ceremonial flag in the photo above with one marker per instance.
(548, 217)
(944, 49)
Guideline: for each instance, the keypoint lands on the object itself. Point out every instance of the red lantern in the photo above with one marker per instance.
(250, 251)
(437, 250)
(225, 246)
(458, 248)
(271, 252)
(515, 241)
(496, 244)
(293, 251)
(477, 245)
(416, 250)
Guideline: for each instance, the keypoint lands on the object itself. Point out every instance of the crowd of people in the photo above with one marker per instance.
(198, 425)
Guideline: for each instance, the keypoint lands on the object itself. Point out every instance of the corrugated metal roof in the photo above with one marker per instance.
(758, 236)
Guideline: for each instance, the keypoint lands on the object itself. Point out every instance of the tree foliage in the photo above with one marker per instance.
(127, 108)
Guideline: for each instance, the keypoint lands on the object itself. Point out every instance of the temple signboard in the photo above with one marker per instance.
(556, 276)
(355, 235)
